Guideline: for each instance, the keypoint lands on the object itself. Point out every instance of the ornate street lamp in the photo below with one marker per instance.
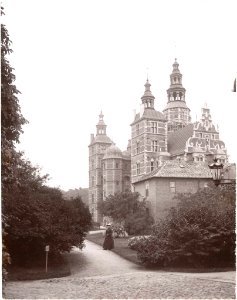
(216, 168)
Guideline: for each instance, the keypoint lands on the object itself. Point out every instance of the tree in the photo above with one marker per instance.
(11, 117)
(33, 214)
(42, 217)
(126, 208)
(11, 127)
(200, 231)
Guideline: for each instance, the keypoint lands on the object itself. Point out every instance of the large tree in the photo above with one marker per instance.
(126, 208)
(11, 117)
(34, 215)
(11, 127)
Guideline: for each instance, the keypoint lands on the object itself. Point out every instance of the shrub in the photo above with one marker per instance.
(138, 223)
(126, 208)
(199, 232)
(137, 241)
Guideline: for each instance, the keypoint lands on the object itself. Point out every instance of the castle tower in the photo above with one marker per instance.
(97, 148)
(176, 112)
(149, 137)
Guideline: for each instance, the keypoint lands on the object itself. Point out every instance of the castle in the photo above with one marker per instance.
(167, 153)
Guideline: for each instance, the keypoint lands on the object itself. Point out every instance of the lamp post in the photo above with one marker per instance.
(216, 168)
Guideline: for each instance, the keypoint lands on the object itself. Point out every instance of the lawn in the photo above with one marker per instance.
(37, 271)
(120, 246)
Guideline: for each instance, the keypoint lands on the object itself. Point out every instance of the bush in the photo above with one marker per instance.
(137, 241)
(138, 223)
(126, 208)
(199, 232)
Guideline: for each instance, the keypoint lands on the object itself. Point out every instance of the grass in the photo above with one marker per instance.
(120, 246)
(37, 271)
(122, 249)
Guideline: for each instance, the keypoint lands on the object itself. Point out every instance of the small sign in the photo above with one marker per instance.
(47, 248)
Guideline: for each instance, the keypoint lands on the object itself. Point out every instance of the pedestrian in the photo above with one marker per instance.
(109, 240)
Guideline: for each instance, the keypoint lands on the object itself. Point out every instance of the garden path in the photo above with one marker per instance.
(100, 274)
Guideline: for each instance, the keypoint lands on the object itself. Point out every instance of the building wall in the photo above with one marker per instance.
(96, 153)
(161, 192)
(151, 136)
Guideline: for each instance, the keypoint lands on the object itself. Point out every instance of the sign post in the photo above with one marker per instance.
(47, 252)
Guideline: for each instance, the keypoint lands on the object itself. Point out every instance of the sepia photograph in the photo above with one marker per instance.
(118, 149)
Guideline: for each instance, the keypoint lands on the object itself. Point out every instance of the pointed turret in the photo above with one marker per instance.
(177, 113)
(148, 98)
(101, 127)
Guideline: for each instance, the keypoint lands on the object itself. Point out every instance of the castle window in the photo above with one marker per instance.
(172, 187)
(117, 182)
(137, 129)
(154, 127)
(92, 164)
(117, 165)
(137, 147)
(93, 181)
(152, 165)
(138, 168)
(155, 146)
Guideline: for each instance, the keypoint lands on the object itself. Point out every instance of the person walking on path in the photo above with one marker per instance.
(109, 240)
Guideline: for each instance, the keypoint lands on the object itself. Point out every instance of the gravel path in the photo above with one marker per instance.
(100, 274)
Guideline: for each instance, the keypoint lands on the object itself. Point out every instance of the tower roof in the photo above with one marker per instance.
(101, 120)
(113, 152)
(175, 67)
(147, 93)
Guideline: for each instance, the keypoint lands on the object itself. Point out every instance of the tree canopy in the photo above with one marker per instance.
(126, 208)
(34, 215)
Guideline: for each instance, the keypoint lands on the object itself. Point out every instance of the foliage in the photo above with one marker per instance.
(200, 231)
(11, 127)
(136, 241)
(43, 218)
(34, 215)
(127, 209)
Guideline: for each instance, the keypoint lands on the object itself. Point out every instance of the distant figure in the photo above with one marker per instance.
(109, 241)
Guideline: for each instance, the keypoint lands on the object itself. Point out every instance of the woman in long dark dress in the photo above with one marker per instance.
(109, 240)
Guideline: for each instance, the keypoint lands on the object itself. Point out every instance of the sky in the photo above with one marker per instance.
(74, 58)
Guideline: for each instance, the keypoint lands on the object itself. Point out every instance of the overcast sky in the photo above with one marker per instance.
(74, 58)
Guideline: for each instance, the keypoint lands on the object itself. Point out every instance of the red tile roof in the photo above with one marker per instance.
(180, 169)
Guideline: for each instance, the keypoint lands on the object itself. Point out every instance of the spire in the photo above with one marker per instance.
(175, 66)
(176, 112)
(101, 127)
(148, 98)
(176, 90)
